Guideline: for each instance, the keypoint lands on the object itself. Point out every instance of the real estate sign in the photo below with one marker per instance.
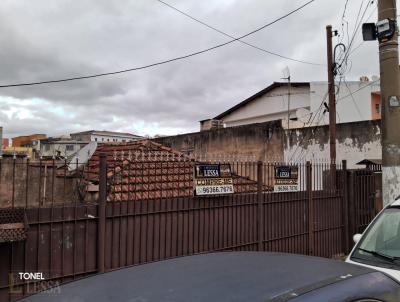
(212, 179)
(286, 179)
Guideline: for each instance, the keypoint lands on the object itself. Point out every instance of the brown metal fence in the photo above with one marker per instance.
(361, 199)
(146, 212)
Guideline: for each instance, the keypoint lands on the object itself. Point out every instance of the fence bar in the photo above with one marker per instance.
(351, 208)
(310, 209)
(345, 208)
(260, 204)
(102, 212)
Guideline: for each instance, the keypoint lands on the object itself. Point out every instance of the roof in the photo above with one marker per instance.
(103, 132)
(370, 162)
(148, 170)
(229, 276)
(259, 94)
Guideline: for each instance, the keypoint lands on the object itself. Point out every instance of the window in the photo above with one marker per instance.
(378, 108)
(123, 141)
(95, 139)
(47, 147)
(383, 237)
(108, 139)
(102, 139)
(69, 148)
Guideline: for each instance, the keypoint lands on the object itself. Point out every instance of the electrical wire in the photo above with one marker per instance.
(160, 62)
(314, 131)
(362, 42)
(362, 87)
(355, 31)
(344, 63)
(319, 117)
(352, 98)
(238, 40)
(317, 113)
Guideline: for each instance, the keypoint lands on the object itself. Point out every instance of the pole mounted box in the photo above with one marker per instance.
(369, 31)
(385, 28)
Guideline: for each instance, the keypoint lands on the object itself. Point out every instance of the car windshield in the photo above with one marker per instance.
(381, 243)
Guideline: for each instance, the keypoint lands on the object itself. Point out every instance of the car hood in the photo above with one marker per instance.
(224, 276)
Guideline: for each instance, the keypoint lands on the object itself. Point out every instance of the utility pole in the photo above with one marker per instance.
(390, 98)
(288, 104)
(332, 102)
(286, 76)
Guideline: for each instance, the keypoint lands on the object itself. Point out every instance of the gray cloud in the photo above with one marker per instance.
(55, 39)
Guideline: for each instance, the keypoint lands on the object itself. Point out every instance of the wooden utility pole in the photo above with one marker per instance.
(390, 92)
(332, 104)
(288, 104)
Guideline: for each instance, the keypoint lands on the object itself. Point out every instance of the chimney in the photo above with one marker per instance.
(210, 124)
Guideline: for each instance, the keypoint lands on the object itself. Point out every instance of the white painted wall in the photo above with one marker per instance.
(347, 109)
(111, 138)
(353, 104)
(61, 147)
(269, 107)
(349, 150)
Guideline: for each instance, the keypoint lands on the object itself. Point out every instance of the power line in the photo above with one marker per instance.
(356, 28)
(362, 42)
(304, 152)
(317, 116)
(317, 113)
(352, 98)
(232, 37)
(161, 62)
(363, 87)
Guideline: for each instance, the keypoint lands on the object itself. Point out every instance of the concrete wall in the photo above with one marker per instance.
(268, 141)
(270, 107)
(257, 141)
(29, 184)
(355, 142)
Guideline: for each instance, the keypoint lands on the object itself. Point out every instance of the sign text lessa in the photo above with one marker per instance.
(212, 171)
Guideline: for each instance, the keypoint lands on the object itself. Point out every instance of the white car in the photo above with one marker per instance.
(379, 246)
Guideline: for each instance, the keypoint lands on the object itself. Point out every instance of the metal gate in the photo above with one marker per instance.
(361, 200)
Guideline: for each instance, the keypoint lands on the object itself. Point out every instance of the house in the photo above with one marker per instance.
(63, 146)
(147, 170)
(356, 101)
(26, 140)
(269, 104)
(104, 136)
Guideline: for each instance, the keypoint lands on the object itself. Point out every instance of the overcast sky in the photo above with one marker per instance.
(45, 40)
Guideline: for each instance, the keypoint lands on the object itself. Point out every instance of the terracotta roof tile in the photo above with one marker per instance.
(148, 170)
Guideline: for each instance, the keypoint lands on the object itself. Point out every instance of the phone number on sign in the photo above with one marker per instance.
(210, 190)
(286, 188)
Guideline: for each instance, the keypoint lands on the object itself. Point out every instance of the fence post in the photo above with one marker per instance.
(310, 209)
(351, 209)
(345, 207)
(260, 215)
(101, 227)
